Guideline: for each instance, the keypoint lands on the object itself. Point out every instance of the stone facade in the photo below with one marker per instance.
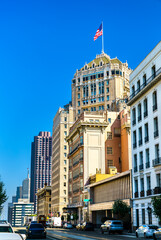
(145, 102)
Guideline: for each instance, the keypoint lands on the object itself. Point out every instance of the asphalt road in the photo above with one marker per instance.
(73, 234)
(61, 234)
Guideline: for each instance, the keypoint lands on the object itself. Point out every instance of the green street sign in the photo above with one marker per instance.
(87, 200)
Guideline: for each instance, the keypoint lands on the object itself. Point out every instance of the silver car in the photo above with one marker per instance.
(112, 226)
(146, 231)
(157, 234)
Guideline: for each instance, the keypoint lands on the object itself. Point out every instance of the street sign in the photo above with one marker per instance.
(87, 200)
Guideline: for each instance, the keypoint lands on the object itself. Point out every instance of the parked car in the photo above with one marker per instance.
(48, 224)
(36, 230)
(112, 226)
(87, 226)
(7, 233)
(157, 234)
(146, 231)
(79, 226)
(67, 226)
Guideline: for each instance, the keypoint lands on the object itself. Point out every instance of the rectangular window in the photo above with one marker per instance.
(109, 163)
(65, 169)
(154, 101)
(109, 150)
(147, 158)
(65, 125)
(140, 136)
(65, 177)
(134, 139)
(65, 119)
(156, 131)
(65, 147)
(146, 132)
(139, 112)
(148, 183)
(143, 216)
(65, 162)
(65, 154)
(108, 97)
(109, 135)
(65, 133)
(107, 90)
(78, 95)
(78, 103)
(117, 132)
(64, 184)
(158, 179)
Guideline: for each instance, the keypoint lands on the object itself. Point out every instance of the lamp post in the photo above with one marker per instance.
(149, 214)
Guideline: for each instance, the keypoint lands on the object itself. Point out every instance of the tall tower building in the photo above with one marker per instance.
(100, 85)
(26, 187)
(41, 153)
(18, 193)
(63, 120)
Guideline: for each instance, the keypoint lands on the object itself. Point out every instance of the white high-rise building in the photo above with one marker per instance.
(145, 102)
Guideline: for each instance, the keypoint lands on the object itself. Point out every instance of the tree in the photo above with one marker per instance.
(3, 196)
(120, 208)
(156, 203)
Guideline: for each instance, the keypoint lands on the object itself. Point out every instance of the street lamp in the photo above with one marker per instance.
(149, 214)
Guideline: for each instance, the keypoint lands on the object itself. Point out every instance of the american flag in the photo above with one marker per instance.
(99, 32)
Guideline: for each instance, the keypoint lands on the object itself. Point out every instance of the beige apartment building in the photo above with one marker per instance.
(96, 146)
(44, 201)
(86, 155)
(63, 120)
(101, 84)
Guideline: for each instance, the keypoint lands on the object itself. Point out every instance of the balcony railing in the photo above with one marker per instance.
(75, 163)
(81, 174)
(135, 169)
(145, 113)
(146, 139)
(134, 145)
(155, 107)
(134, 122)
(157, 190)
(147, 164)
(75, 177)
(140, 142)
(157, 161)
(136, 194)
(142, 193)
(76, 190)
(149, 192)
(148, 81)
(141, 167)
(75, 149)
(156, 133)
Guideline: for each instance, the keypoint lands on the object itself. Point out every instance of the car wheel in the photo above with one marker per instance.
(154, 237)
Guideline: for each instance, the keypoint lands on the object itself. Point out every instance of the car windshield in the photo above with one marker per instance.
(36, 226)
(153, 227)
(5, 229)
(117, 223)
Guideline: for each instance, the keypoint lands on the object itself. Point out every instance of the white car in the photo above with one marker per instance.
(145, 231)
(7, 233)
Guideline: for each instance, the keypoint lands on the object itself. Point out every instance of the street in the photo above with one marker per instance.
(65, 234)
(87, 235)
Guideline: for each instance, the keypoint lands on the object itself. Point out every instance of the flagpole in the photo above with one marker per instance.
(102, 39)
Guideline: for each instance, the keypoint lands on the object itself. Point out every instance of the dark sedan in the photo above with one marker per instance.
(36, 230)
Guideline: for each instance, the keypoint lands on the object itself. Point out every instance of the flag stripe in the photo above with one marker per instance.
(99, 32)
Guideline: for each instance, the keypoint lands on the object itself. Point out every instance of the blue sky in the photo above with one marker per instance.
(42, 43)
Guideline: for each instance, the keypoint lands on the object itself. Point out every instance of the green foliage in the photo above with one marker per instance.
(156, 203)
(75, 216)
(120, 208)
(3, 196)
